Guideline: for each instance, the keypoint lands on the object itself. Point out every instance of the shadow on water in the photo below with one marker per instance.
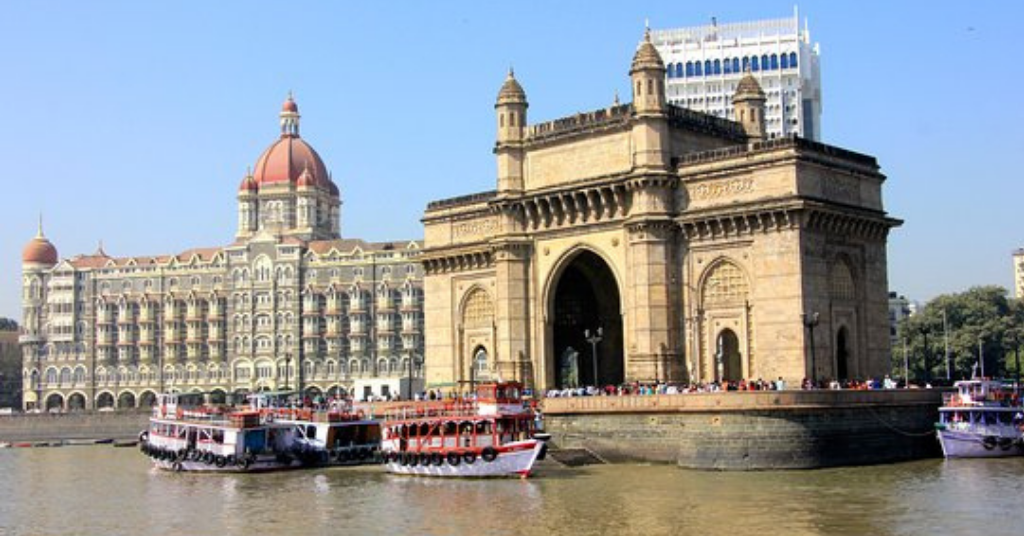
(94, 490)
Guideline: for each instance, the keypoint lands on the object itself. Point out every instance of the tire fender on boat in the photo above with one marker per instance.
(454, 459)
(176, 467)
(989, 442)
(436, 458)
(469, 458)
(489, 454)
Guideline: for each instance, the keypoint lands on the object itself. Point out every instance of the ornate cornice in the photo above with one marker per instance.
(445, 260)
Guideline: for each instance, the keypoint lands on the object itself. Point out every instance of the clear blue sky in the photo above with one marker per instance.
(133, 122)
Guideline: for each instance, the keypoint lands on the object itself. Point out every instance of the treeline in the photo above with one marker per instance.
(6, 324)
(982, 329)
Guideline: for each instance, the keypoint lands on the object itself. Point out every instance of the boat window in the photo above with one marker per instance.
(218, 436)
(311, 431)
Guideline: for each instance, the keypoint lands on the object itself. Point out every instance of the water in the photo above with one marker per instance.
(106, 490)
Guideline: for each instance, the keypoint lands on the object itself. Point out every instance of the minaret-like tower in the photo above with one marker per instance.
(510, 110)
(748, 104)
(38, 257)
(650, 130)
(247, 206)
(290, 117)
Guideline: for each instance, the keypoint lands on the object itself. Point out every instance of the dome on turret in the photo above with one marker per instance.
(511, 92)
(748, 87)
(646, 56)
(39, 250)
(289, 158)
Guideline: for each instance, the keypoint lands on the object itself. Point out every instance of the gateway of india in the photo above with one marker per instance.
(288, 305)
(647, 242)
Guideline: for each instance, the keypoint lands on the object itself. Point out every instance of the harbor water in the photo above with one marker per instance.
(103, 490)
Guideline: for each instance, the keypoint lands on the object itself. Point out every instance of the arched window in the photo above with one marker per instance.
(775, 62)
(792, 60)
(764, 62)
(707, 68)
(785, 61)
(841, 284)
(697, 70)
(735, 65)
(718, 66)
(51, 376)
(746, 63)
(478, 310)
(689, 68)
(728, 66)
(725, 285)
(480, 368)
(679, 70)
(753, 64)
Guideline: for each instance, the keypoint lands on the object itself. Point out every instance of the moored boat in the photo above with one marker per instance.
(493, 434)
(981, 419)
(262, 437)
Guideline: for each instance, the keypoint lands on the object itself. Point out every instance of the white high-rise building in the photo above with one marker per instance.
(705, 63)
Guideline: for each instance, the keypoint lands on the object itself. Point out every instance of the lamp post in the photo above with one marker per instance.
(408, 394)
(926, 361)
(981, 357)
(593, 340)
(811, 321)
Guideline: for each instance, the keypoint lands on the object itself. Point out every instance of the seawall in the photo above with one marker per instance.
(74, 425)
(751, 430)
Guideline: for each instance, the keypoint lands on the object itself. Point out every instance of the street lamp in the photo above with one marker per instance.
(926, 360)
(408, 394)
(810, 321)
(945, 338)
(593, 340)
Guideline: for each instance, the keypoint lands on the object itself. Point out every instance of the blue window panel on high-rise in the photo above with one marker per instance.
(718, 66)
(707, 67)
(728, 66)
(785, 61)
(735, 65)
(689, 68)
(746, 64)
(696, 69)
(792, 59)
(764, 62)
(679, 70)
(753, 63)
(775, 62)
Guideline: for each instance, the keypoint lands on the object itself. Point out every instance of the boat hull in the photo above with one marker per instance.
(966, 444)
(513, 460)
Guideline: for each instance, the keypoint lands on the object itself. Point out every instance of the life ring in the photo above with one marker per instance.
(454, 459)
(489, 454)
(436, 458)
(469, 457)
(176, 467)
(220, 461)
(989, 442)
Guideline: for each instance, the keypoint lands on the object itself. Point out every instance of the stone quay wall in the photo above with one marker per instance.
(751, 430)
(30, 427)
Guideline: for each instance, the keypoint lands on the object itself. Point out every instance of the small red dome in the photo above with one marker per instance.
(248, 184)
(39, 250)
(290, 106)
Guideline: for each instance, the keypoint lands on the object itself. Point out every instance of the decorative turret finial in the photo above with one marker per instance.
(39, 232)
(99, 250)
(615, 101)
(290, 117)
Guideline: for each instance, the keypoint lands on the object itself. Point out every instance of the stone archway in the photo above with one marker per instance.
(843, 354)
(218, 396)
(147, 399)
(104, 400)
(76, 401)
(727, 356)
(586, 298)
(126, 400)
(55, 401)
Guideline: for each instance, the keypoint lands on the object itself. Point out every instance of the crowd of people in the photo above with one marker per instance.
(672, 388)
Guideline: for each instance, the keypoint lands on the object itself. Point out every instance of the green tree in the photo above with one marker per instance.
(6, 324)
(982, 318)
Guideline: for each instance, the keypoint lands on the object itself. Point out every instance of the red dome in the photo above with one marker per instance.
(285, 160)
(39, 250)
(248, 184)
(290, 106)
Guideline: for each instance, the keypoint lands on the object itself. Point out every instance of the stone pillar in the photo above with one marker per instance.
(512, 313)
(651, 345)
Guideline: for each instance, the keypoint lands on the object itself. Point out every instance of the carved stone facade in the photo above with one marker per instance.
(647, 242)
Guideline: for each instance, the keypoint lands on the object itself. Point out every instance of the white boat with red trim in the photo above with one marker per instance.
(493, 434)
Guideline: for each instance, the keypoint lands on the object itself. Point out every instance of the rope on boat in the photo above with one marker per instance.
(897, 430)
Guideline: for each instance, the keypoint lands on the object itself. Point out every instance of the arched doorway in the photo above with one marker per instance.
(104, 400)
(480, 369)
(54, 402)
(126, 400)
(586, 298)
(218, 396)
(147, 399)
(727, 356)
(843, 354)
(76, 401)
